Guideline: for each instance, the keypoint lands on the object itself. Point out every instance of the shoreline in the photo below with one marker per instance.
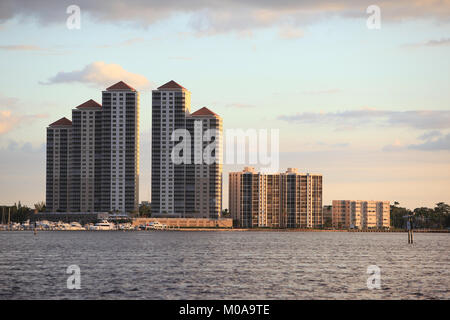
(246, 230)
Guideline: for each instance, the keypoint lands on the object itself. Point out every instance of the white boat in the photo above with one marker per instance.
(155, 225)
(125, 226)
(103, 226)
(75, 226)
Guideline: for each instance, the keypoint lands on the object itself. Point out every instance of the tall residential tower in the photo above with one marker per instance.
(100, 152)
(59, 137)
(189, 188)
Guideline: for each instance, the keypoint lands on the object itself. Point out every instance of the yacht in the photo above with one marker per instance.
(75, 226)
(103, 226)
(155, 225)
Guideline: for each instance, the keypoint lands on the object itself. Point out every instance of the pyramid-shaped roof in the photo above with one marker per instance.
(89, 104)
(204, 112)
(62, 122)
(120, 86)
(171, 85)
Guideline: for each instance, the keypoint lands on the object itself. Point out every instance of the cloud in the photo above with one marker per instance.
(429, 135)
(290, 33)
(418, 119)
(212, 17)
(8, 102)
(23, 47)
(23, 147)
(396, 146)
(431, 43)
(10, 121)
(32, 48)
(442, 143)
(100, 74)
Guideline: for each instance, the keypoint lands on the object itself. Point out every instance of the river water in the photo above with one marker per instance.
(223, 265)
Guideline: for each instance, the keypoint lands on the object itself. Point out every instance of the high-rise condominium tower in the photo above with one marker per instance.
(190, 188)
(103, 154)
(86, 159)
(204, 180)
(59, 135)
(284, 200)
(120, 148)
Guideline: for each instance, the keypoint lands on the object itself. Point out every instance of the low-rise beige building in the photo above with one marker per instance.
(361, 214)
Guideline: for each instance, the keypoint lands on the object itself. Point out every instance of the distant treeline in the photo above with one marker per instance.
(424, 218)
(15, 213)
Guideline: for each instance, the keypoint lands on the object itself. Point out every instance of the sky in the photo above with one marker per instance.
(367, 108)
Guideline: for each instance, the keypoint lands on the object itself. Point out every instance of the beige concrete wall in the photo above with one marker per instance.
(187, 222)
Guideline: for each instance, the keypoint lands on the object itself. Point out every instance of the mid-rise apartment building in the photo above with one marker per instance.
(284, 200)
(193, 187)
(103, 154)
(360, 214)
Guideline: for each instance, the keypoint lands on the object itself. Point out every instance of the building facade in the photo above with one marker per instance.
(86, 157)
(59, 136)
(327, 215)
(360, 214)
(186, 188)
(284, 200)
(103, 156)
(120, 149)
(203, 178)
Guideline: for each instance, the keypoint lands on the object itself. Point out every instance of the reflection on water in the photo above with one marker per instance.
(223, 265)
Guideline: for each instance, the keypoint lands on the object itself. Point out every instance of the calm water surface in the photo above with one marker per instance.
(223, 265)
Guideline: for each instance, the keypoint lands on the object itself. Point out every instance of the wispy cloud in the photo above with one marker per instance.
(23, 147)
(418, 119)
(213, 17)
(430, 134)
(290, 33)
(33, 49)
(431, 43)
(435, 143)
(100, 74)
(21, 47)
(10, 120)
(396, 146)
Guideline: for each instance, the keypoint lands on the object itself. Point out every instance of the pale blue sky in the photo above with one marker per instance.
(254, 76)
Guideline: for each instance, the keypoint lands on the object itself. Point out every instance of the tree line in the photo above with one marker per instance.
(423, 218)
